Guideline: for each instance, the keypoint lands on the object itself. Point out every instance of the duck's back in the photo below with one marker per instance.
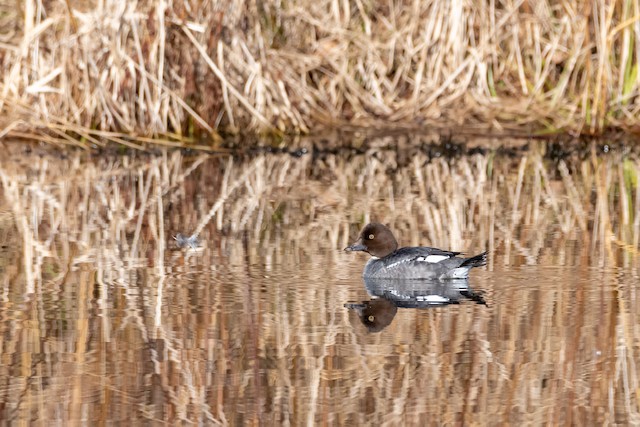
(419, 263)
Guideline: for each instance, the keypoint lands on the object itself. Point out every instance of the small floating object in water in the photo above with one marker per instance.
(183, 241)
(299, 152)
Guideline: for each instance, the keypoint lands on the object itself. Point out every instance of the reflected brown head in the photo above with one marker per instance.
(375, 314)
(376, 239)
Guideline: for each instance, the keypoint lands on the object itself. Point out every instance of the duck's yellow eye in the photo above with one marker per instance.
(371, 318)
(371, 236)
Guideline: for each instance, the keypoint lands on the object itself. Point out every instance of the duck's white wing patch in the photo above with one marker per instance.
(429, 259)
(432, 259)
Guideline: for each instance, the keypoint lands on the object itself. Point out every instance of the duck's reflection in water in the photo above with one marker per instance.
(390, 294)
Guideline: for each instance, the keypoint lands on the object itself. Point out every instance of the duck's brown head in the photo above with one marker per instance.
(376, 239)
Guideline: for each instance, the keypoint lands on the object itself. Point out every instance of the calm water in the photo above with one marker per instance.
(268, 322)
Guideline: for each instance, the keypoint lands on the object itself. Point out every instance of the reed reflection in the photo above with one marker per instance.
(390, 294)
(252, 329)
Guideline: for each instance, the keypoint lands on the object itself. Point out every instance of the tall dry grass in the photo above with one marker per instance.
(103, 322)
(87, 72)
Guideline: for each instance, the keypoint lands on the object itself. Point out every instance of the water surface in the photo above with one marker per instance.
(105, 319)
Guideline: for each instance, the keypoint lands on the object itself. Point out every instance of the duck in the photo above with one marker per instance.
(419, 262)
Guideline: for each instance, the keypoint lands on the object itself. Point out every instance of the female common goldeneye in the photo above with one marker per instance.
(389, 262)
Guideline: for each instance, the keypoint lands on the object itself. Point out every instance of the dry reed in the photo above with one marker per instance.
(87, 72)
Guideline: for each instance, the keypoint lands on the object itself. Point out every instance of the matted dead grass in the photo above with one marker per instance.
(87, 72)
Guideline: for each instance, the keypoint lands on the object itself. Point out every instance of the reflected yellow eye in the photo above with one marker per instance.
(371, 236)
(371, 318)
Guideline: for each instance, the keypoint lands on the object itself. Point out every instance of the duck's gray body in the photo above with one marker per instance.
(422, 263)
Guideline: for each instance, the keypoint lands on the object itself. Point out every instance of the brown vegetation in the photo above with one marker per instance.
(79, 72)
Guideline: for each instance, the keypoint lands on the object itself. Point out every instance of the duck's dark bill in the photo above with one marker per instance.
(355, 247)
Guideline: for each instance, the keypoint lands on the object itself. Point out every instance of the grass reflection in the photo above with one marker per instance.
(104, 318)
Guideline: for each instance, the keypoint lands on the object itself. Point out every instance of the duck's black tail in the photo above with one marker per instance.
(475, 261)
